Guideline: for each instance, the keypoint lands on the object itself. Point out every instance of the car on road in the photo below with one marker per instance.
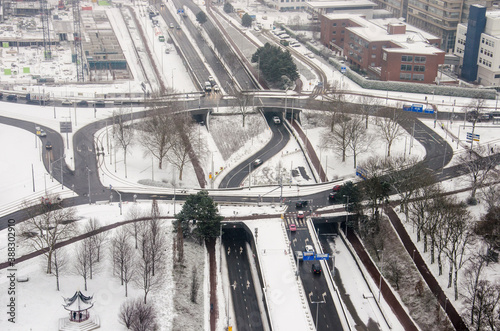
(292, 227)
(48, 146)
(316, 268)
(100, 104)
(66, 102)
(178, 27)
(276, 120)
(300, 214)
(332, 195)
(12, 97)
(82, 103)
(299, 256)
(257, 163)
(309, 248)
(171, 25)
(301, 204)
(216, 88)
(337, 188)
(43, 133)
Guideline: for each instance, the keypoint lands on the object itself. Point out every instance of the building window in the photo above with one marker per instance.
(406, 67)
(334, 24)
(406, 58)
(343, 23)
(342, 31)
(373, 56)
(419, 77)
(374, 47)
(419, 68)
(420, 59)
(404, 76)
(497, 76)
(334, 32)
(373, 64)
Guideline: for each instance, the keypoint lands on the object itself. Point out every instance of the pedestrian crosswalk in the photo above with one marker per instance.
(291, 218)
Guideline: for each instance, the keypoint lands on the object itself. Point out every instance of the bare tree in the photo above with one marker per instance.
(183, 138)
(419, 208)
(156, 238)
(474, 112)
(155, 136)
(477, 167)
(134, 213)
(145, 318)
(339, 137)
(45, 226)
(356, 137)
(180, 242)
(390, 130)
(97, 238)
(82, 263)
(368, 107)
(59, 263)
(487, 305)
(243, 100)
(407, 175)
(123, 134)
(127, 312)
(472, 276)
(123, 256)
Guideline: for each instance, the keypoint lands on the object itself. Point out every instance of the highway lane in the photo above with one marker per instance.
(243, 296)
(315, 286)
(280, 138)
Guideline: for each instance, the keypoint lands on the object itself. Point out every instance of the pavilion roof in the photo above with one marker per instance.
(78, 302)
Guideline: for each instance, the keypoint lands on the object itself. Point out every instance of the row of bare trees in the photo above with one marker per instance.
(167, 134)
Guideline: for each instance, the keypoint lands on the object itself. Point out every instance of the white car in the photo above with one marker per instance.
(276, 120)
(67, 103)
(309, 248)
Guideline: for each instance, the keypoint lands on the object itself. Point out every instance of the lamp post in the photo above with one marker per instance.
(286, 99)
(317, 307)
(52, 167)
(381, 269)
(347, 213)
(88, 178)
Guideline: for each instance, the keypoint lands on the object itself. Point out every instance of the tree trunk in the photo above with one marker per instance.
(440, 265)
(125, 160)
(450, 274)
(49, 262)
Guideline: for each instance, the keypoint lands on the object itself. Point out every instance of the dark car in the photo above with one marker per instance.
(316, 268)
(82, 103)
(1, 95)
(48, 146)
(100, 104)
(12, 97)
(301, 204)
(332, 196)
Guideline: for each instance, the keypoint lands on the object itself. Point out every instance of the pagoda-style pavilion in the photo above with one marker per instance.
(78, 306)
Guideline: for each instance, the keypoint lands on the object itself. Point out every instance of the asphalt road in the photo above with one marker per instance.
(280, 138)
(243, 296)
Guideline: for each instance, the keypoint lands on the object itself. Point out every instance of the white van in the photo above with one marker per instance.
(284, 36)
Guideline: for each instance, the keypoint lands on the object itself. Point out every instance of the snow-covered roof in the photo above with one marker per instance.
(78, 302)
(341, 4)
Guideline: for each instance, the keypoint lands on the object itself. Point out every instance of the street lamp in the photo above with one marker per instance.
(347, 213)
(381, 269)
(317, 307)
(88, 178)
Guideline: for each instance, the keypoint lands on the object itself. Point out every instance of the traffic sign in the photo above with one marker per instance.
(322, 256)
(471, 136)
(65, 127)
(307, 256)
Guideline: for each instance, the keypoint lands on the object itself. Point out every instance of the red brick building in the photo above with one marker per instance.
(387, 48)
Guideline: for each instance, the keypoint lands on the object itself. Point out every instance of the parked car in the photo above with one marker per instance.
(12, 97)
(316, 268)
(292, 227)
(82, 103)
(276, 120)
(301, 204)
(100, 104)
(300, 214)
(67, 102)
